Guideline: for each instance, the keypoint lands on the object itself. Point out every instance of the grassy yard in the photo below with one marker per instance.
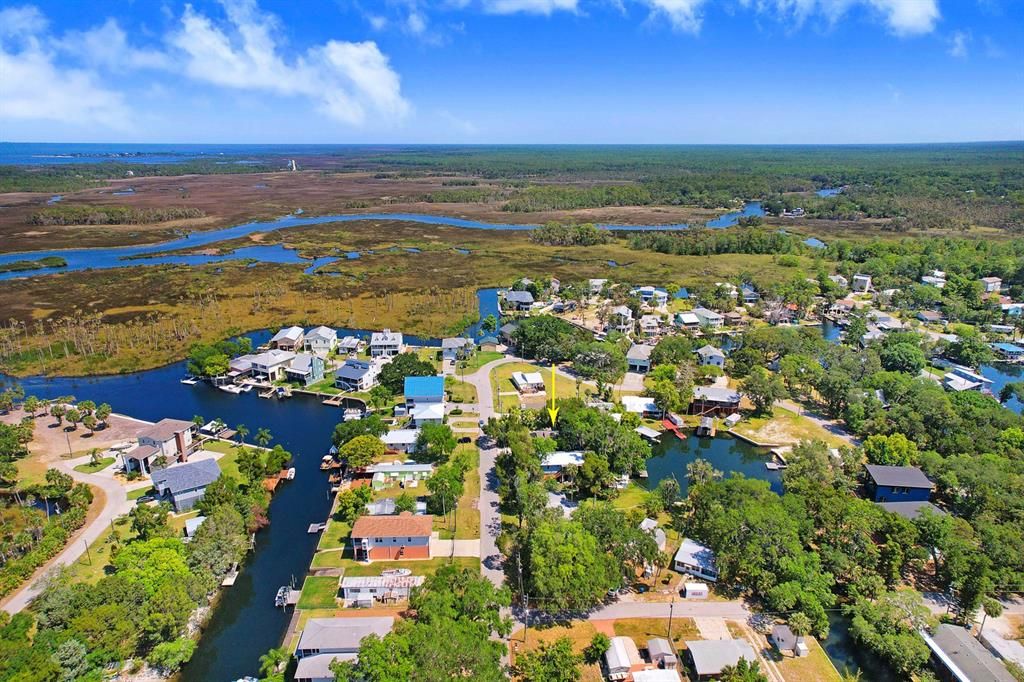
(467, 513)
(92, 565)
(501, 381)
(785, 428)
(325, 385)
(579, 633)
(138, 492)
(319, 592)
(643, 629)
(229, 462)
(335, 536)
(479, 359)
(815, 667)
(343, 559)
(91, 468)
(460, 391)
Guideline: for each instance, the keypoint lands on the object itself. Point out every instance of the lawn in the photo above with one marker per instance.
(335, 536)
(643, 629)
(579, 632)
(467, 513)
(785, 428)
(815, 667)
(92, 565)
(91, 468)
(138, 492)
(343, 559)
(325, 385)
(229, 462)
(632, 496)
(460, 391)
(479, 359)
(319, 592)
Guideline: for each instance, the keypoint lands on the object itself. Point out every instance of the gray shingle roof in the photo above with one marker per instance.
(958, 646)
(901, 477)
(519, 297)
(342, 634)
(910, 510)
(187, 476)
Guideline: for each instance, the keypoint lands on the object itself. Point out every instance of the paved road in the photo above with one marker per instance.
(117, 504)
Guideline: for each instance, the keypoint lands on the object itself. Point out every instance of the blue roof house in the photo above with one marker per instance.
(1010, 351)
(423, 390)
(898, 484)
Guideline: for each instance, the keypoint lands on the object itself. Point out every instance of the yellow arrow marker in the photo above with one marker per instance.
(553, 411)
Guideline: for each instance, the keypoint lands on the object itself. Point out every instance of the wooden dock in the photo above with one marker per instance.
(334, 401)
(671, 426)
(707, 427)
(315, 528)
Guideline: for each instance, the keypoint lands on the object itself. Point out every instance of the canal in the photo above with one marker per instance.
(671, 455)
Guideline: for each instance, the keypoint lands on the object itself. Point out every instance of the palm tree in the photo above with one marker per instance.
(272, 661)
(263, 437)
(242, 430)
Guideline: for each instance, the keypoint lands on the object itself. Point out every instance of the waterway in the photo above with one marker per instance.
(849, 657)
(670, 456)
(155, 254)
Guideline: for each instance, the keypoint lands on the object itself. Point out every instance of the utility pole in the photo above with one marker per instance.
(671, 608)
(88, 554)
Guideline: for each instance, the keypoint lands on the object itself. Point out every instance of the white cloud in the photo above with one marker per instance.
(908, 17)
(416, 23)
(346, 80)
(377, 22)
(107, 46)
(34, 87)
(992, 48)
(462, 126)
(903, 17)
(684, 15)
(545, 7)
(958, 44)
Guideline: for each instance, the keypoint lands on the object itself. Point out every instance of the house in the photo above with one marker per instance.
(365, 590)
(402, 473)
(554, 463)
(712, 655)
(333, 639)
(240, 367)
(386, 506)
(390, 538)
(185, 484)
(650, 325)
(351, 345)
(749, 294)
(709, 356)
(656, 675)
(386, 344)
(861, 283)
(709, 318)
(931, 280)
(489, 343)
(961, 378)
(1008, 351)
(695, 559)
(423, 390)
(842, 308)
(688, 320)
(306, 369)
(596, 286)
(961, 657)
(507, 333)
(780, 313)
(1012, 309)
(289, 338)
(884, 321)
(651, 526)
(898, 483)
(840, 281)
(910, 510)
(992, 284)
(641, 405)
(520, 301)
(458, 348)
(168, 439)
(620, 319)
(622, 658)
(652, 296)
(712, 400)
(528, 382)
(661, 654)
(271, 365)
(729, 288)
(321, 340)
(427, 413)
(638, 359)
(931, 317)
(400, 440)
(788, 642)
(872, 334)
(356, 375)
(1001, 328)
(733, 318)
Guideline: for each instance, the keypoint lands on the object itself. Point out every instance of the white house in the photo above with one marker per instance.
(861, 283)
(356, 375)
(456, 348)
(709, 356)
(398, 472)
(642, 405)
(992, 284)
(351, 345)
(170, 439)
(427, 413)
(289, 338)
(840, 281)
(650, 325)
(528, 382)
(933, 281)
(638, 359)
(595, 286)
(653, 296)
(339, 636)
(321, 340)
(961, 378)
(709, 318)
(554, 463)
(386, 344)
(695, 559)
(750, 294)
(620, 319)
(401, 440)
(622, 658)
(271, 365)
(688, 321)
(423, 390)
(365, 590)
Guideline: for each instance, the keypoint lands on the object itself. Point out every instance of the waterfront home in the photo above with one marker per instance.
(517, 301)
(688, 321)
(321, 340)
(1012, 309)
(192, 525)
(622, 658)
(708, 318)
(897, 483)
(289, 338)
(861, 283)
(788, 642)
(992, 285)
(168, 439)
(183, 485)
(391, 538)
(749, 294)
(1008, 351)
(423, 390)
(695, 559)
(650, 325)
(528, 382)
(386, 344)
(709, 356)
(641, 405)
(842, 308)
(400, 473)
(651, 527)
(884, 321)
(933, 281)
(489, 343)
(351, 345)
(729, 288)
(456, 348)
(427, 413)
(961, 378)
(714, 400)
(554, 463)
(1001, 328)
(931, 317)
(910, 510)
(356, 375)
(596, 286)
(271, 365)
(872, 334)
(306, 369)
(325, 640)
(365, 590)
(620, 319)
(653, 296)
(638, 358)
(386, 506)
(961, 657)
(400, 440)
(733, 318)
(240, 367)
(507, 333)
(711, 656)
(839, 281)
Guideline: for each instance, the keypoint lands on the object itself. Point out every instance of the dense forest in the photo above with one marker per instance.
(111, 215)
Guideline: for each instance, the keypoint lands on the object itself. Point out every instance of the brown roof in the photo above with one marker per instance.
(165, 429)
(405, 524)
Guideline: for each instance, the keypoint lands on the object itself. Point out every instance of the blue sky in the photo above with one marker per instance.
(512, 71)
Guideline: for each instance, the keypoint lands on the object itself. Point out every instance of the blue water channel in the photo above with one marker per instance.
(671, 455)
(155, 254)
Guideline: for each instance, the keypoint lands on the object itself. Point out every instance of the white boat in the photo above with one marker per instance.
(291, 474)
(246, 388)
(230, 388)
(191, 381)
(396, 572)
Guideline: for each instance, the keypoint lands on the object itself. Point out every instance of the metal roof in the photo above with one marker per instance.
(165, 429)
(902, 477)
(341, 634)
(964, 656)
(710, 656)
(424, 386)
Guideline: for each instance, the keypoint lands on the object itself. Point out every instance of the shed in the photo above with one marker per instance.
(787, 641)
(660, 651)
(695, 591)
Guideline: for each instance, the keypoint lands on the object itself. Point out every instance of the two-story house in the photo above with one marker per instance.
(386, 344)
(289, 338)
(321, 340)
(169, 440)
(898, 484)
(391, 538)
